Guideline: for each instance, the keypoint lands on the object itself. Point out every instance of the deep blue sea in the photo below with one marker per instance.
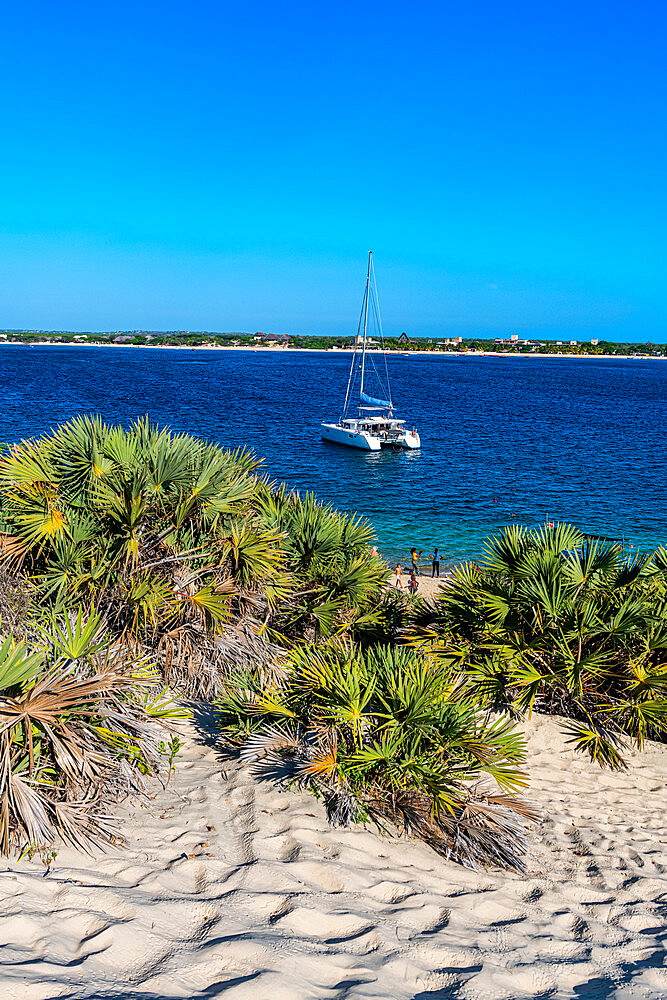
(503, 439)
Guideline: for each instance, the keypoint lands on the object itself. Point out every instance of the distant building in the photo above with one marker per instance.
(404, 339)
(515, 342)
(595, 342)
(514, 337)
(574, 343)
(272, 339)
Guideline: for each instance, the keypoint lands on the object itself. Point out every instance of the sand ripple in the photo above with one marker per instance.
(230, 887)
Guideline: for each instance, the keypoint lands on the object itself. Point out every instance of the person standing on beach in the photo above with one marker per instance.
(413, 586)
(435, 564)
(398, 571)
(415, 561)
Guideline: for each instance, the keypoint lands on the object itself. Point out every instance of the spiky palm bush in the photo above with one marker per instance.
(379, 735)
(183, 547)
(79, 724)
(329, 553)
(554, 621)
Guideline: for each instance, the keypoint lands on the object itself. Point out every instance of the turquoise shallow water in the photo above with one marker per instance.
(503, 439)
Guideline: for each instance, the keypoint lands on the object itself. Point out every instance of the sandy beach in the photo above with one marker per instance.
(427, 587)
(230, 887)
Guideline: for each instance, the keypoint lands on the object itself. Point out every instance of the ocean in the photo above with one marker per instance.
(504, 440)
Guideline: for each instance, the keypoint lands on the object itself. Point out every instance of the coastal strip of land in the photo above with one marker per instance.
(278, 350)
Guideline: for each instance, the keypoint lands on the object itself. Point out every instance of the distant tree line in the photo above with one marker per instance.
(455, 345)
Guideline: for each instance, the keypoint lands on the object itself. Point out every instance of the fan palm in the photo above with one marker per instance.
(173, 538)
(380, 735)
(562, 623)
(78, 723)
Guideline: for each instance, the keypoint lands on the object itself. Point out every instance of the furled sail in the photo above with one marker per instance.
(372, 401)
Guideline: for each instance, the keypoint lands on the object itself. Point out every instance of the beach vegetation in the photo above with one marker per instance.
(81, 724)
(383, 736)
(186, 550)
(135, 562)
(551, 620)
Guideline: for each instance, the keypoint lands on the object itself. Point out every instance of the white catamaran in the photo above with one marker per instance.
(374, 425)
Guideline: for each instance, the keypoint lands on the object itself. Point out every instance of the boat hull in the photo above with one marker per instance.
(351, 438)
(409, 439)
(365, 440)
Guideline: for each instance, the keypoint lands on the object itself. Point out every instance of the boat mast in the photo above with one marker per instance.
(368, 289)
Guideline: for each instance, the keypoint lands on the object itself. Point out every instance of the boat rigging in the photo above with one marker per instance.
(374, 426)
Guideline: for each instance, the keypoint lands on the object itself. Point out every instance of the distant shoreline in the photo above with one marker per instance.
(347, 350)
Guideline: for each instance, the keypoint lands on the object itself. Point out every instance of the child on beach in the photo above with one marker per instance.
(398, 571)
(413, 586)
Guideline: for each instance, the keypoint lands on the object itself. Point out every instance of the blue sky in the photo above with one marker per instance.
(204, 166)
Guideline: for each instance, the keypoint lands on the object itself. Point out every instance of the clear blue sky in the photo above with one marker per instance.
(225, 166)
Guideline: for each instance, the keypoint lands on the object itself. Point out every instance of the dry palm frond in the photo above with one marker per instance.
(15, 598)
(74, 733)
(270, 741)
(82, 824)
(29, 807)
(244, 646)
(482, 829)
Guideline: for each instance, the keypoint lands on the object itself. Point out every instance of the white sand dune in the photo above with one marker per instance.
(229, 887)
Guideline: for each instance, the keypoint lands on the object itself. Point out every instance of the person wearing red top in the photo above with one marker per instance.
(435, 564)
